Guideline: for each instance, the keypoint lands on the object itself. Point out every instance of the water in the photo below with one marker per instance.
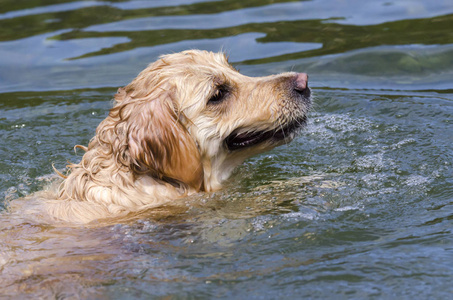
(359, 206)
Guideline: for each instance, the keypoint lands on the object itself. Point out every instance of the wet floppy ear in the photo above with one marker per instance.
(159, 144)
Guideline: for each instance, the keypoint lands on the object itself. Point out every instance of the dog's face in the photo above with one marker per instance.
(192, 118)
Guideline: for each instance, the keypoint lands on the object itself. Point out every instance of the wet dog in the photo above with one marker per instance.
(180, 127)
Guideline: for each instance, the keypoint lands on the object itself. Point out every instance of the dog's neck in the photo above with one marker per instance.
(100, 180)
(217, 169)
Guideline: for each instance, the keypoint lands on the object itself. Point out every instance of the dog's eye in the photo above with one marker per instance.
(219, 94)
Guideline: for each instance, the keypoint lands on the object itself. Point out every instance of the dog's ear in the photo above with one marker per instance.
(159, 143)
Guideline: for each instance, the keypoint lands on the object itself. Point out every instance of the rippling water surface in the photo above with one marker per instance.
(360, 205)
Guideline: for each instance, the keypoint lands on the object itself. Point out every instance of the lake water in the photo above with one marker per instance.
(360, 205)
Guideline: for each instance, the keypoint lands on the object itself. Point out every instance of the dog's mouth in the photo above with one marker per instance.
(239, 140)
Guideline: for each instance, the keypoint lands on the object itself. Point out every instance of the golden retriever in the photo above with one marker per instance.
(180, 127)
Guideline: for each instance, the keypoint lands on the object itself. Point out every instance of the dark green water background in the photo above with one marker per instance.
(359, 206)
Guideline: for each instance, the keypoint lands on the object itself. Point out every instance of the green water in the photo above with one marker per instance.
(360, 205)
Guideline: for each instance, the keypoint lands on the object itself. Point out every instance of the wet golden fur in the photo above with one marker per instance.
(164, 139)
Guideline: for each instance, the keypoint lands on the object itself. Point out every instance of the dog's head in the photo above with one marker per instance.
(191, 118)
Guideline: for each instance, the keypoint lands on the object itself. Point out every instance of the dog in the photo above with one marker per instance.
(180, 127)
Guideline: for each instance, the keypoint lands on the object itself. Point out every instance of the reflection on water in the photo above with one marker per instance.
(96, 44)
(359, 206)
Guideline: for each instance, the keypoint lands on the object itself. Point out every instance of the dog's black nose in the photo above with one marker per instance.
(301, 82)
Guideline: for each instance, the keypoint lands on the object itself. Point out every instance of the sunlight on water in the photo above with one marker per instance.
(358, 206)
